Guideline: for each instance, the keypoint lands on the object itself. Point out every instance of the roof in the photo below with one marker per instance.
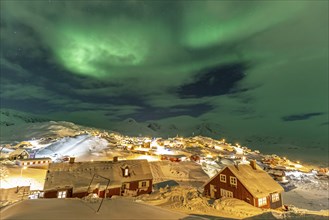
(79, 174)
(18, 151)
(257, 181)
(35, 159)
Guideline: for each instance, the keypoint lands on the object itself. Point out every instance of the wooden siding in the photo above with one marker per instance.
(277, 204)
(239, 191)
(134, 186)
(53, 193)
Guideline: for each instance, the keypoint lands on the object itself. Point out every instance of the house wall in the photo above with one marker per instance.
(135, 186)
(267, 206)
(239, 191)
(53, 193)
(270, 204)
(277, 204)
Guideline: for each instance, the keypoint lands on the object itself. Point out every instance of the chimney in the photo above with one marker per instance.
(253, 164)
(236, 164)
(115, 159)
(71, 159)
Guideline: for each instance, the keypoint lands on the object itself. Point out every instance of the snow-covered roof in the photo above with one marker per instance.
(79, 174)
(35, 159)
(17, 152)
(257, 181)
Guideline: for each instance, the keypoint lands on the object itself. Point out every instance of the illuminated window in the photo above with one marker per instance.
(262, 202)
(275, 197)
(41, 194)
(126, 172)
(233, 180)
(222, 178)
(61, 194)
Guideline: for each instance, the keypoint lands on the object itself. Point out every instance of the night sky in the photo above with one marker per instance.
(257, 67)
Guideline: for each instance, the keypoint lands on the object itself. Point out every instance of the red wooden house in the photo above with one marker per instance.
(105, 178)
(245, 182)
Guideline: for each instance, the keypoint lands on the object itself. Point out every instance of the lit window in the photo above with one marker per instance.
(222, 178)
(61, 194)
(275, 197)
(126, 172)
(143, 184)
(41, 194)
(262, 202)
(233, 181)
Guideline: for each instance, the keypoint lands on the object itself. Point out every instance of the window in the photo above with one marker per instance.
(233, 180)
(143, 184)
(41, 194)
(275, 197)
(262, 202)
(226, 193)
(61, 194)
(126, 185)
(126, 172)
(222, 178)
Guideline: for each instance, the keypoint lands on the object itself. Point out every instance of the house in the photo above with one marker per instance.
(173, 158)
(104, 178)
(34, 162)
(19, 153)
(246, 182)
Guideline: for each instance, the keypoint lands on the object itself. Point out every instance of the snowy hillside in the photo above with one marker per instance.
(45, 130)
(9, 117)
(169, 127)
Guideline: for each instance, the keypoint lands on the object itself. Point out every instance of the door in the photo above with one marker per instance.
(212, 191)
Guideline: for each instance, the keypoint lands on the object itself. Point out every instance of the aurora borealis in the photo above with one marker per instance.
(255, 67)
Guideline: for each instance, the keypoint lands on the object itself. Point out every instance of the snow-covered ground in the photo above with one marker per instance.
(73, 146)
(60, 139)
(116, 208)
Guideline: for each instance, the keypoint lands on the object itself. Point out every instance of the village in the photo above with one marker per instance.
(140, 166)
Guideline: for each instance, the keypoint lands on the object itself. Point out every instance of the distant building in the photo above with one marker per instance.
(34, 162)
(105, 178)
(18, 154)
(245, 182)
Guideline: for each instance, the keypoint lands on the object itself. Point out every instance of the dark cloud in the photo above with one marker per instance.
(301, 117)
(219, 61)
(216, 81)
(150, 113)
